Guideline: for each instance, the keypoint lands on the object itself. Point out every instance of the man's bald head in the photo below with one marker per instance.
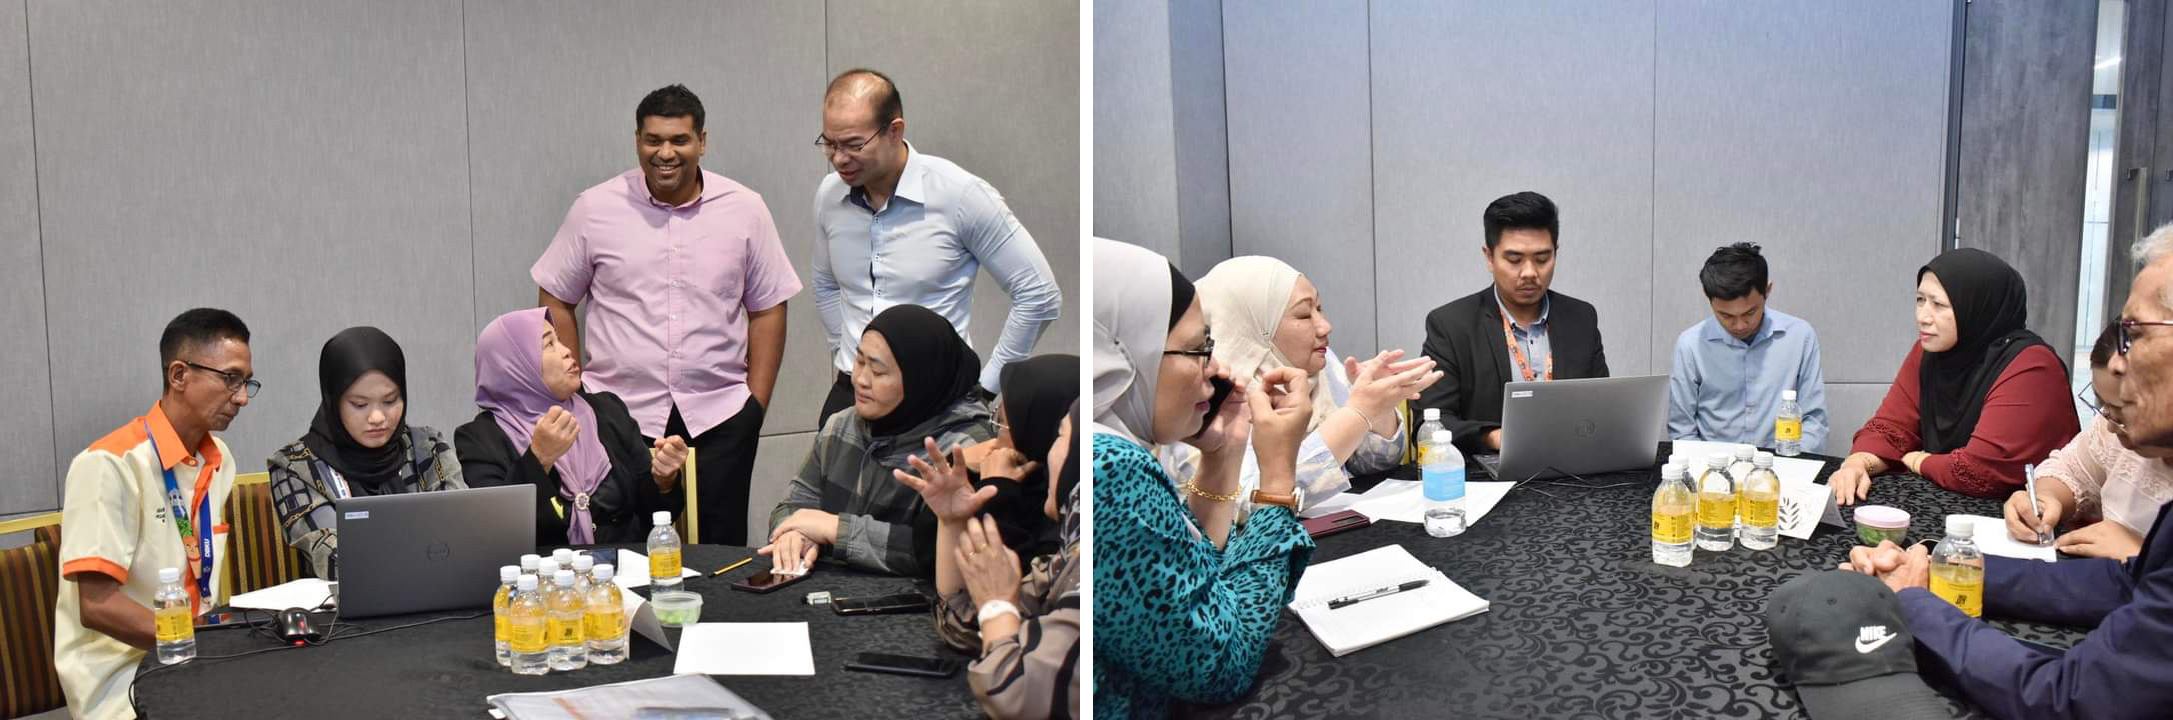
(866, 88)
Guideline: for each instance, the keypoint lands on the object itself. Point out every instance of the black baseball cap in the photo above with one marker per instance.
(1839, 636)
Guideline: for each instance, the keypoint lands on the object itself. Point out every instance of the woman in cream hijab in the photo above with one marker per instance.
(1263, 315)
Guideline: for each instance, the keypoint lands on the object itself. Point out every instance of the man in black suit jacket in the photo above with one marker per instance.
(1547, 335)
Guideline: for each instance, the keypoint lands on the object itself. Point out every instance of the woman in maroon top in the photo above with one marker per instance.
(1977, 398)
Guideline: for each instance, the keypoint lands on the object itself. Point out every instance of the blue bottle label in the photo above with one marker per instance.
(1443, 484)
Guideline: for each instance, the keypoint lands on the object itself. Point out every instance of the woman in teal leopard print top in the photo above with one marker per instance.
(1183, 603)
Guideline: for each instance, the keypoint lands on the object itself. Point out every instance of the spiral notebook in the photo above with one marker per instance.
(1359, 626)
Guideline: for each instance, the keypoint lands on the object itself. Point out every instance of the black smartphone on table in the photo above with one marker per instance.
(904, 665)
(766, 581)
(880, 604)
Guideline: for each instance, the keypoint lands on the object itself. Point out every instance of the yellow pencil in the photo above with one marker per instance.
(731, 567)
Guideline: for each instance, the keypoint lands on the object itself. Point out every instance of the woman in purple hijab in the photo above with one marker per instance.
(596, 482)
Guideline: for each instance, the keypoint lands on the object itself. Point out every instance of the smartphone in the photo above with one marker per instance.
(880, 604)
(1326, 525)
(767, 581)
(1223, 386)
(904, 665)
(222, 618)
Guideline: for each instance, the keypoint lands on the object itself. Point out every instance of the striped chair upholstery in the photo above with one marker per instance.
(29, 583)
(257, 554)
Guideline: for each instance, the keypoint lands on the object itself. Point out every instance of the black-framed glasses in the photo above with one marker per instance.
(827, 147)
(1206, 351)
(2127, 331)
(235, 382)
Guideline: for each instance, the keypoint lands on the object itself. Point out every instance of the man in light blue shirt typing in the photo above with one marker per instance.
(901, 227)
(1731, 368)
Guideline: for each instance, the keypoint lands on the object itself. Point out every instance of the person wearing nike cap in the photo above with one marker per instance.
(2124, 667)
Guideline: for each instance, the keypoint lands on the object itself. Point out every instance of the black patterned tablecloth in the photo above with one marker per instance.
(1582, 623)
(446, 669)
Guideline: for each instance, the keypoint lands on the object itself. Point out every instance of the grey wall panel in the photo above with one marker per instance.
(1475, 100)
(779, 461)
(551, 95)
(25, 385)
(1301, 185)
(1005, 106)
(1135, 150)
(2025, 132)
(1203, 145)
(1848, 407)
(300, 163)
(1824, 144)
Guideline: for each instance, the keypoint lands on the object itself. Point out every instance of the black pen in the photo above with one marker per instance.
(1350, 600)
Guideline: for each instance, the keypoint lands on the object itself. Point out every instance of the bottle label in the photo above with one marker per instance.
(606, 624)
(1716, 510)
(1961, 585)
(1788, 430)
(175, 625)
(664, 565)
(504, 627)
(1761, 510)
(528, 637)
(1443, 485)
(565, 629)
(1671, 528)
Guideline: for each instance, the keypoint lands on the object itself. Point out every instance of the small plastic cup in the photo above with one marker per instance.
(677, 608)
(1876, 523)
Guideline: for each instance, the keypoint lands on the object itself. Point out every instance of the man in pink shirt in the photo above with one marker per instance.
(686, 282)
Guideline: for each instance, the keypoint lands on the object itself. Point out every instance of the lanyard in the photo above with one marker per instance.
(194, 531)
(1517, 351)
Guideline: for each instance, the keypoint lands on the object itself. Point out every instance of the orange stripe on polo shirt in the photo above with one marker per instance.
(98, 565)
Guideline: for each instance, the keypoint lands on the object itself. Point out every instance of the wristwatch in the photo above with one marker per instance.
(1291, 501)
(997, 608)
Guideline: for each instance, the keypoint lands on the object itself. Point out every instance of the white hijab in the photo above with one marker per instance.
(1245, 298)
(1131, 324)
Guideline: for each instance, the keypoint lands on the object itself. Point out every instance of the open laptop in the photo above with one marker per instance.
(1561, 427)
(419, 552)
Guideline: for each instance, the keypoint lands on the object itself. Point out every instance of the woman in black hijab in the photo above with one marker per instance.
(914, 386)
(1037, 392)
(359, 444)
(1979, 396)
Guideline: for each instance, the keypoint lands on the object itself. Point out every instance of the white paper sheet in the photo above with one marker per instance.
(1991, 537)
(633, 570)
(745, 649)
(628, 699)
(643, 619)
(1406, 501)
(306, 593)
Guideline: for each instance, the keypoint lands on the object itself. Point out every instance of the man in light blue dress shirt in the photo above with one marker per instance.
(902, 227)
(1731, 367)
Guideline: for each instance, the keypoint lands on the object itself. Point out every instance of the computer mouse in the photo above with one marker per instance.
(295, 626)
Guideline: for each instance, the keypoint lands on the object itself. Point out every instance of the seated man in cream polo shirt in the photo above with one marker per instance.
(147, 496)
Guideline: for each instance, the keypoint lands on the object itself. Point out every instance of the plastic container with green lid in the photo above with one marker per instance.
(1875, 523)
(677, 608)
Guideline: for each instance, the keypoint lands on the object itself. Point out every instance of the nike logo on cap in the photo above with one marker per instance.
(1871, 637)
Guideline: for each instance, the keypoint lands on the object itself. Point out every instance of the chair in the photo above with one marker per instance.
(689, 523)
(257, 554)
(29, 590)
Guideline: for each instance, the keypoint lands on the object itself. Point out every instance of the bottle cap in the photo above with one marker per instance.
(564, 578)
(1960, 527)
(583, 563)
(1433, 414)
(508, 573)
(547, 568)
(169, 575)
(528, 562)
(1788, 395)
(602, 573)
(563, 556)
(1442, 436)
(1716, 460)
(1744, 452)
(1764, 460)
(527, 583)
(662, 517)
(1671, 471)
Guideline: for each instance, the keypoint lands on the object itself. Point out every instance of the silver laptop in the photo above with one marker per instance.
(420, 552)
(1562, 427)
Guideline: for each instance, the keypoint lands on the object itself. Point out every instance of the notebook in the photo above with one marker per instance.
(1356, 627)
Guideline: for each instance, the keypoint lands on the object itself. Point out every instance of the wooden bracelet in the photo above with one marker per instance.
(1190, 487)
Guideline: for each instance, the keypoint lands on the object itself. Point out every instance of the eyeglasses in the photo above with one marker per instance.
(2088, 396)
(1206, 351)
(235, 382)
(2127, 331)
(827, 147)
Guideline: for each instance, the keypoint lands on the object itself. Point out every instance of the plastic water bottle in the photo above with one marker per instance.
(1444, 486)
(507, 577)
(528, 632)
(1673, 503)
(1745, 456)
(1716, 505)
(583, 567)
(1761, 504)
(1426, 432)
(1788, 427)
(1958, 568)
(529, 563)
(663, 553)
(546, 569)
(606, 620)
(175, 621)
(564, 556)
(568, 613)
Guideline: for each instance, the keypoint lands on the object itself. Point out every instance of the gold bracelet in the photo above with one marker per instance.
(1195, 489)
